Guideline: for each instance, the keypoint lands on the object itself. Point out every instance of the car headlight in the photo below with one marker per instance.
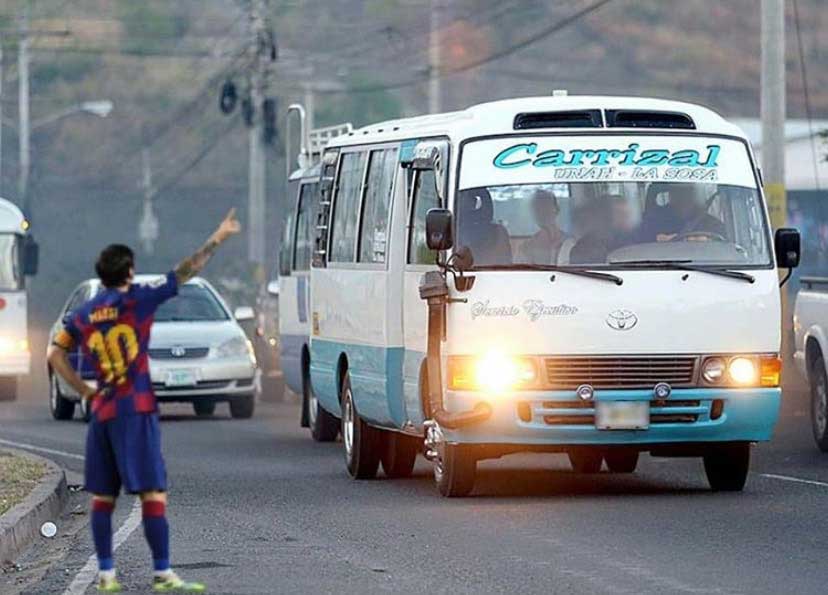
(235, 347)
(742, 370)
(492, 372)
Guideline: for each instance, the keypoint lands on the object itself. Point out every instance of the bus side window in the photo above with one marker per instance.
(286, 247)
(425, 198)
(346, 207)
(373, 236)
(303, 244)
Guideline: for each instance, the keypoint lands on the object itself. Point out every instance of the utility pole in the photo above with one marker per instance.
(434, 59)
(23, 108)
(264, 52)
(148, 226)
(773, 108)
(1, 114)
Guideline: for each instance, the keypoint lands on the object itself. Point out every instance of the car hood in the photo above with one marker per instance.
(193, 334)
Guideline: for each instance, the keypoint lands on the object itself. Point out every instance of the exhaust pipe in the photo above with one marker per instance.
(434, 290)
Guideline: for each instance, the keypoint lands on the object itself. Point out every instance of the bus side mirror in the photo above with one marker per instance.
(31, 256)
(787, 248)
(438, 229)
(273, 288)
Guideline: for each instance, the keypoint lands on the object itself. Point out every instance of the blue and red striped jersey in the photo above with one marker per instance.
(113, 331)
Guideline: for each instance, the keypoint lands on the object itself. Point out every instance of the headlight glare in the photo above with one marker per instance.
(742, 371)
(493, 372)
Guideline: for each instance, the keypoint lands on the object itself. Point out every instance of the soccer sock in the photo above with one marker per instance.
(157, 533)
(102, 532)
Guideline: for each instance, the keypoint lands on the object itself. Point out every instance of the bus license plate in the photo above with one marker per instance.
(622, 415)
(181, 378)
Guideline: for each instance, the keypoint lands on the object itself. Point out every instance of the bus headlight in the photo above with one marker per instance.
(742, 371)
(493, 372)
(713, 370)
(8, 345)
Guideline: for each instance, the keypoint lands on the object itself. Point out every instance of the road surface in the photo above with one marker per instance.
(257, 507)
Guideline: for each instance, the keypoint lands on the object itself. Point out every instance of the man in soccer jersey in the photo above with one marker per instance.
(123, 445)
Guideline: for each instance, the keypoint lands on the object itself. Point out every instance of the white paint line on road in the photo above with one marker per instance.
(89, 572)
(812, 482)
(50, 451)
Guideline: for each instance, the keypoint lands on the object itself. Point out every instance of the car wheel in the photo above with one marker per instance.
(242, 407)
(621, 461)
(585, 460)
(324, 427)
(819, 402)
(399, 454)
(727, 467)
(204, 408)
(360, 440)
(455, 470)
(60, 406)
(8, 388)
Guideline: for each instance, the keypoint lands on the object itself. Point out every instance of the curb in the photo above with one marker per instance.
(21, 525)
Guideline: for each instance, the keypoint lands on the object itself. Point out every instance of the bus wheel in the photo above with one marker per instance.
(361, 441)
(727, 467)
(61, 407)
(819, 402)
(399, 454)
(454, 471)
(585, 460)
(621, 461)
(324, 427)
(8, 388)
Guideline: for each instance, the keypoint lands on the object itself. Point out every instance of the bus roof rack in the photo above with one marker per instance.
(311, 142)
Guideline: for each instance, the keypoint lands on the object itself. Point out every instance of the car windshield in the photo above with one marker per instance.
(192, 304)
(708, 218)
(10, 277)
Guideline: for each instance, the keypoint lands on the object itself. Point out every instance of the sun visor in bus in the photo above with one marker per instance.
(648, 119)
(423, 155)
(570, 119)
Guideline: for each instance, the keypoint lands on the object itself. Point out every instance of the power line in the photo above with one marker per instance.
(804, 74)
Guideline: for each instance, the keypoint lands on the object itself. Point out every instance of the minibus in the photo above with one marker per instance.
(293, 288)
(18, 259)
(593, 276)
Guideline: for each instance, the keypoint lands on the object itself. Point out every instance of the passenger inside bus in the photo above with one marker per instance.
(543, 246)
(684, 217)
(487, 240)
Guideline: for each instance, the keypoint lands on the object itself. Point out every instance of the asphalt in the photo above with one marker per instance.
(257, 507)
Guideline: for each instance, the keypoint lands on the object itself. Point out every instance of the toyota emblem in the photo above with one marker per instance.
(621, 320)
(178, 351)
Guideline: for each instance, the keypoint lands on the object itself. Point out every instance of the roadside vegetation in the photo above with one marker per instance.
(18, 476)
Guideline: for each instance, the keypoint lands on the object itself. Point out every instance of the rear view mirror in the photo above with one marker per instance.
(273, 288)
(438, 229)
(243, 313)
(31, 256)
(787, 248)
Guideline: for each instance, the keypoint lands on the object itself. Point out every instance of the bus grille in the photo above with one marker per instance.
(582, 413)
(608, 372)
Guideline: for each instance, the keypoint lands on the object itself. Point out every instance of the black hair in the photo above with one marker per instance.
(114, 264)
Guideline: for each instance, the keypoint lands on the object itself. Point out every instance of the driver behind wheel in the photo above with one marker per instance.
(688, 218)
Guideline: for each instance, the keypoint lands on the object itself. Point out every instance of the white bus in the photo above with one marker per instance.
(18, 259)
(293, 288)
(587, 275)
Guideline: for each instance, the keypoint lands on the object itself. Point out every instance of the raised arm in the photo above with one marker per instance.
(191, 266)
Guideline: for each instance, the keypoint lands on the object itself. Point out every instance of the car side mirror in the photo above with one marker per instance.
(273, 288)
(438, 229)
(787, 248)
(31, 256)
(243, 313)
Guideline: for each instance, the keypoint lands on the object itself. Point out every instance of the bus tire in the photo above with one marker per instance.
(399, 454)
(61, 407)
(819, 401)
(455, 471)
(585, 460)
(727, 467)
(242, 407)
(8, 388)
(361, 441)
(324, 427)
(621, 461)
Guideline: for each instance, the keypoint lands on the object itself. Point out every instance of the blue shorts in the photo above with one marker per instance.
(124, 451)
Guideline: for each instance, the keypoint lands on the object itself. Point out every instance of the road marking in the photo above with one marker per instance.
(89, 572)
(34, 448)
(812, 482)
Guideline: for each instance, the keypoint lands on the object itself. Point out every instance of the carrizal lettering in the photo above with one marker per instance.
(523, 154)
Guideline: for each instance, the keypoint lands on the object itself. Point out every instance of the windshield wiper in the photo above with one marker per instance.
(580, 271)
(684, 265)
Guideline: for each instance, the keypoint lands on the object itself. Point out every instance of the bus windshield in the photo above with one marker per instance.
(10, 277)
(690, 212)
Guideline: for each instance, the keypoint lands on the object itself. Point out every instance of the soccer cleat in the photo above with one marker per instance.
(170, 582)
(108, 585)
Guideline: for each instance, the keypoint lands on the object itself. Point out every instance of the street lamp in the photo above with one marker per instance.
(100, 108)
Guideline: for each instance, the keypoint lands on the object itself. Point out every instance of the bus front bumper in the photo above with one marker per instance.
(559, 418)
